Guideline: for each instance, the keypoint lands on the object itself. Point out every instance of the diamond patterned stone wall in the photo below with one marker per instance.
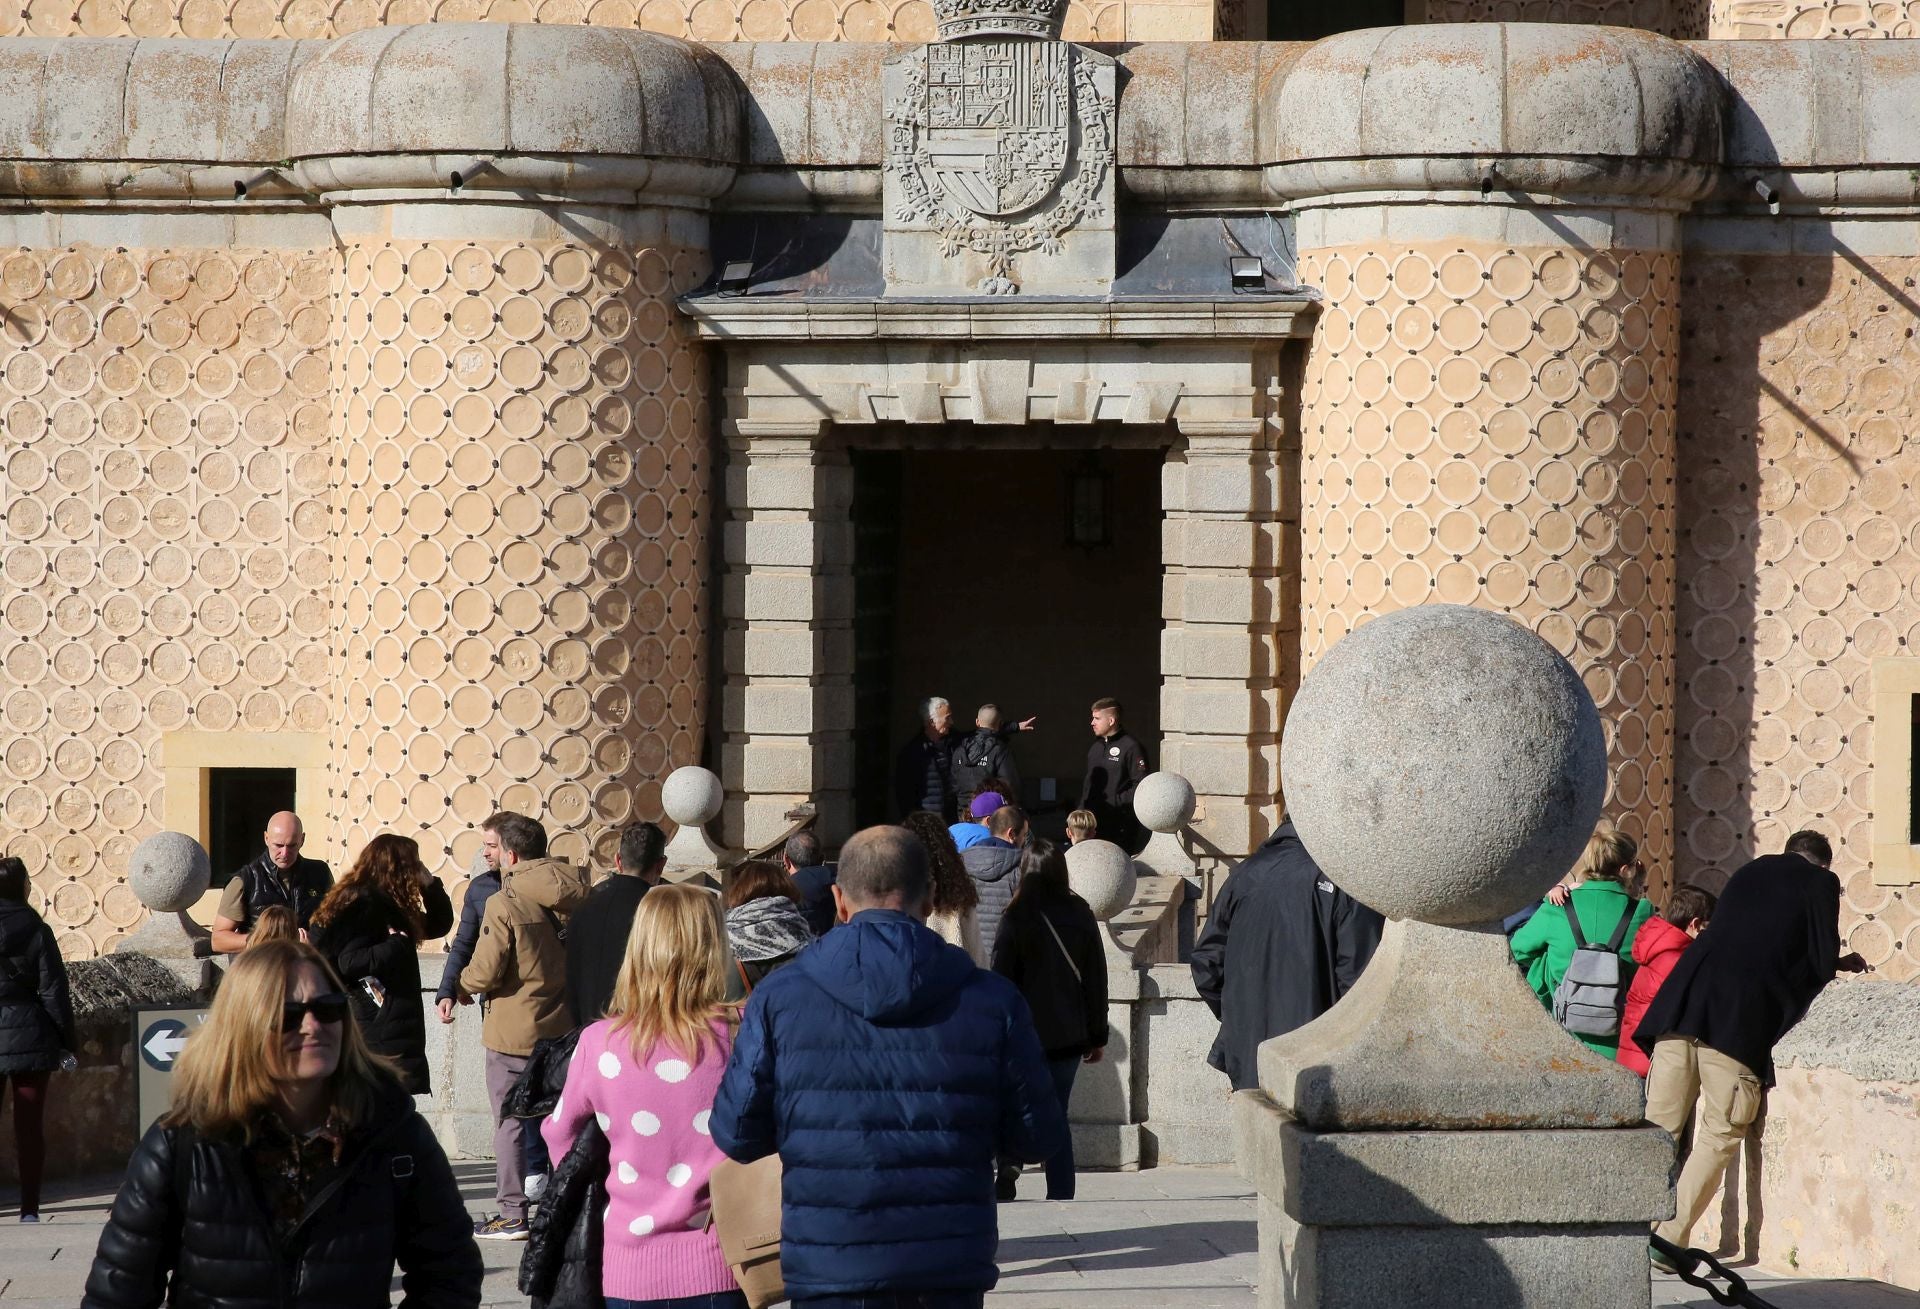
(1493, 425)
(164, 547)
(521, 521)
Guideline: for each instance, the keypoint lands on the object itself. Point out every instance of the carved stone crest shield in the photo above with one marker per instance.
(998, 116)
(997, 147)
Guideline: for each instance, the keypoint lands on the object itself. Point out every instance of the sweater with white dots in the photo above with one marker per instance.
(654, 1109)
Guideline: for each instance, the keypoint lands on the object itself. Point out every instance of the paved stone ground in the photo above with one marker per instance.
(1168, 1238)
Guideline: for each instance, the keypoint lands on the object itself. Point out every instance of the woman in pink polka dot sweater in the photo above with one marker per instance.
(647, 1074)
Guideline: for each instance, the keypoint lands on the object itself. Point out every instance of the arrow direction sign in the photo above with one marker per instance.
(162, 1042)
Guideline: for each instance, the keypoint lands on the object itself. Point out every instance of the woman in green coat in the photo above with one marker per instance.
(1544, 944)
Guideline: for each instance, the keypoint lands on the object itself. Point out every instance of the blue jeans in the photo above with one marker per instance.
(893, 1300)
(1060, 1166)
(712, 1300)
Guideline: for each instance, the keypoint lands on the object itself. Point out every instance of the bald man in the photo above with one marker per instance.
(276, 876)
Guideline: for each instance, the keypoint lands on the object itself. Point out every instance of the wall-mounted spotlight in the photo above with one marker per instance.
(736, 275)
(1246, 273)
(1489, 180)
(1769, 194)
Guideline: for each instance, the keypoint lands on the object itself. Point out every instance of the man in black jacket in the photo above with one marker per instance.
(1115, 764)
(983, 755)
(814, 876)
(597, 932)
(1774, 942)
(278, 875)
(923, 770)
(1280, 948)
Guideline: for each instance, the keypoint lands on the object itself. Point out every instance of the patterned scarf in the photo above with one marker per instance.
(768, 928)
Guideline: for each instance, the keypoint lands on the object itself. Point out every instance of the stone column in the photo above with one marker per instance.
(521, 419)
(788, 607)
(1228, 593)
(1488, 407)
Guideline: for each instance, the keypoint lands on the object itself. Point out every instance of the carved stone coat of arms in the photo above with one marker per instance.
(998, 147)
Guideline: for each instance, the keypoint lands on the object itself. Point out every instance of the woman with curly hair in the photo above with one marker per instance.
(952, 914)
(370, 927)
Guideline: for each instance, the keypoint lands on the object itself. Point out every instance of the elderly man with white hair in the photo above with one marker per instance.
(923, 770)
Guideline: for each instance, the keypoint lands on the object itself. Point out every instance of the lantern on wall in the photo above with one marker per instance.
(1089, 505)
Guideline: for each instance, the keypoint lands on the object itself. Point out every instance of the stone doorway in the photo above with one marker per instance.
(1030, 578)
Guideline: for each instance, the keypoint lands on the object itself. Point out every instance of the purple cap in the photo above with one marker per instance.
(985, 803)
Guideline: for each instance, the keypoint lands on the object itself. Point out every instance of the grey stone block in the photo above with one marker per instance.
(1113, 1147)
(1865, 1027)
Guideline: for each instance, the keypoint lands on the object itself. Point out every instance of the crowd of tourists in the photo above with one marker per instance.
(900, 1031)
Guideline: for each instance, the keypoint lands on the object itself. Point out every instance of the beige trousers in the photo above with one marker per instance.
(1683, 1070)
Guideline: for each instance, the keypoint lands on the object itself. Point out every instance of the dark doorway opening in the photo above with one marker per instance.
(239, 803)
(1028, 579)
(1309, 20)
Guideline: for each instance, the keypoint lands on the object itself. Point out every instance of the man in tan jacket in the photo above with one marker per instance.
(519, 968)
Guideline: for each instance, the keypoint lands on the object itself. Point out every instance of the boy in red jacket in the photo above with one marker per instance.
(1657, 948)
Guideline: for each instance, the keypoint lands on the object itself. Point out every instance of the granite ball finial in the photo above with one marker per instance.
(1103, 875)
(1164, 802)
(1444, 764)
(169, 871)
(692, 795)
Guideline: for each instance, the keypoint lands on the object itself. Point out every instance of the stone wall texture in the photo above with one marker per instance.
(521, 529)
(1493, 425)
(699, 20)
(1801, 384)
(164, 547)
(1680, 19)
(1812, 20)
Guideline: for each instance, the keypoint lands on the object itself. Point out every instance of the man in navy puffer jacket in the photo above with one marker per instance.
(887, 1072)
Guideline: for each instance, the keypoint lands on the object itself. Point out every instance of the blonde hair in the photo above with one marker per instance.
(231, 1067)
(1083, 821)
(275, 923)
(1607, 856)
(672, 982)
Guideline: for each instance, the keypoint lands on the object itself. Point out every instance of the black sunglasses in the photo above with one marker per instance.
(330, 1008)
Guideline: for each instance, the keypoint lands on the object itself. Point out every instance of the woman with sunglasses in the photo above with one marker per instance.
(292, 1167)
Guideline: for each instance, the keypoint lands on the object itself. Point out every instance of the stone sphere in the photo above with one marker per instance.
(1163, 802)
(1103, 875)
(1444, 764)
(169, 871)
(692, 796)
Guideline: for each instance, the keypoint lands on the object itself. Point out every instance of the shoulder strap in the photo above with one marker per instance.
(1064, 952)
(1573, 921)
(553, 921)
(1620, 928)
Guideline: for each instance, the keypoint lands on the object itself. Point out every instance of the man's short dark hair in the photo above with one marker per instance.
(1008, 818)
(882, 863)
(519, 835)
(1107, 702)
(1688, 903)
(13, 880)
(642, 845)
(802, 849)
(1812, 847)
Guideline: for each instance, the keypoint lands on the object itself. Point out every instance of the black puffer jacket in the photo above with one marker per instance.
(190, 1229)
(359, 939)
(561, 1267)
(36, 1017)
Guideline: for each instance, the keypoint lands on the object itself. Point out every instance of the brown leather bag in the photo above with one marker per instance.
(746, 1214)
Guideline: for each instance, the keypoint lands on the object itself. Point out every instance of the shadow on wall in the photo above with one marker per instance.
(1736, 312)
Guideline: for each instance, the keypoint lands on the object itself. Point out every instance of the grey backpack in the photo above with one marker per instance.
(1592, 995)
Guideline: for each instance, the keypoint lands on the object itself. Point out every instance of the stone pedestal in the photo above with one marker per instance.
(1435, 1139)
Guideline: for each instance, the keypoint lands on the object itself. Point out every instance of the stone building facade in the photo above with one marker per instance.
(375, 405)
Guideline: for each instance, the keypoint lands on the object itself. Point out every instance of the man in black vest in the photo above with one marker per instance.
(278, 875)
